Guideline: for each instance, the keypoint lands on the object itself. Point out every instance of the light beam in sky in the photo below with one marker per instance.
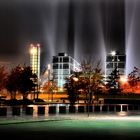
(132, 21)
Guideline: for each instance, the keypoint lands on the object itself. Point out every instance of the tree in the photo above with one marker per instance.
(3, 76)
(113, 84)
(45, 86)
(90, 81)
(93, 78)
(133, 78)
(72, 87)
(87, 68)
(20, 79)
(97, 82)
(26, 82)
(12, 81)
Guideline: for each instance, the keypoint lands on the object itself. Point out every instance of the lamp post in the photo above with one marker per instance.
(75, 79)
(89, 95)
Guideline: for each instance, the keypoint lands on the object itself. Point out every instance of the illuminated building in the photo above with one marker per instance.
(35, 59)
(63, 66)
(113, 60)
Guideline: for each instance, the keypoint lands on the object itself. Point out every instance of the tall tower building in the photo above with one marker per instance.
(35, 59)
(115, 60)
(63, 66)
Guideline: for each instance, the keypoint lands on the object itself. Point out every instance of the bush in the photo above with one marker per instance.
(12, 102)
(38, 100)
(25, 102)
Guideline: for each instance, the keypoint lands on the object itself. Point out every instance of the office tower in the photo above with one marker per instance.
(63, 66)
(115, 60)
(35, 59)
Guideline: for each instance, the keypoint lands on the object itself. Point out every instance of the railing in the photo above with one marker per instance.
(36, 110)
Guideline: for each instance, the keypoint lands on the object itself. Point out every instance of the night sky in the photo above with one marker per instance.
(82, 28)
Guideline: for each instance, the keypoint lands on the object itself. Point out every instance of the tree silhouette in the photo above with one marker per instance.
(72, 87)
(90, 81)
(93, 78)
(20, 80)
(26, 82)
(133, 78)
(113, 84)
(3, 76)
(12, 81)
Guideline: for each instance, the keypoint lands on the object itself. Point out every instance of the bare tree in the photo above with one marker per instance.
(93, 77)
(133, 78)
(89, 81)
(3, 76)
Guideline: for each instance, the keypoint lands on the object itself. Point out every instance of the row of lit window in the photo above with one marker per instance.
(60, 66)
(62, 59)
(113, 65)
(108, 72)
(62, 71)
(116, 58)
(60, 76)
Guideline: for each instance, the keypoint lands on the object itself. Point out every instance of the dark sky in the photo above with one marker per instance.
(82, 28)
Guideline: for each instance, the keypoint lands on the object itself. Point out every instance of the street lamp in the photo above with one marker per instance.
(89, 94)
(113, 53)
(75, 79)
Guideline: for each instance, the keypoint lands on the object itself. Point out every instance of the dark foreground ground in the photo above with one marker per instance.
(104, 128)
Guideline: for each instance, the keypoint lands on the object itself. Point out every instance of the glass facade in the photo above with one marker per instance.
(35, 59)
(112, 61)
(63, 66)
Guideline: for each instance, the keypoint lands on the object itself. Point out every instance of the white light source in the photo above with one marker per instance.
(75, 79)
(33, 50)
(113, 53)
(49, 66)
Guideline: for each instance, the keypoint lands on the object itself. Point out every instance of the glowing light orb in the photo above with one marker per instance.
(113, 53)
